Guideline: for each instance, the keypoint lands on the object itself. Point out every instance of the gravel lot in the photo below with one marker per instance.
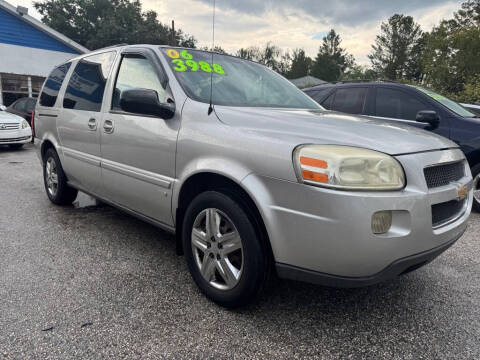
(96, 283)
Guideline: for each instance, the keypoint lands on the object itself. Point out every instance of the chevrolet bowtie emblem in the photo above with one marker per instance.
(462, 192)
(3, 126)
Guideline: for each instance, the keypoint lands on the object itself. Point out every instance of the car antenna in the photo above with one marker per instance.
(210, 107)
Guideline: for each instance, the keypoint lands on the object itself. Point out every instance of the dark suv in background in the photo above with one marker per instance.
(411, 105)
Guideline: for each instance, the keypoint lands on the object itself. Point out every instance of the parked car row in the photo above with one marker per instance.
(251, 174)
(409, 105)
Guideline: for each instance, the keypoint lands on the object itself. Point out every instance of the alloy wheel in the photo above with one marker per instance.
(217, 249)
(51, 176)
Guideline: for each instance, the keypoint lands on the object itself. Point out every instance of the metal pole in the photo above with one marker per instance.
(29, 81)
(173, 33)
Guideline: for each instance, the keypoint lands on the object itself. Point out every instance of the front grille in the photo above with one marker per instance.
(441, 175)
(9, 126)
(14, 139)
(445, 212)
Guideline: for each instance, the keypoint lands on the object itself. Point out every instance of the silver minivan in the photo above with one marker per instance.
(252, 175)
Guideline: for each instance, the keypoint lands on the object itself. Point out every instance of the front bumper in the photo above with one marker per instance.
(319, 230)
(10, 137)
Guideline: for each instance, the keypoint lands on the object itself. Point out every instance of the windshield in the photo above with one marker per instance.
(450, 104)
(236, 82)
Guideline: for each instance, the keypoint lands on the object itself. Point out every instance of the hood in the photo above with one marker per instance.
(327, 127)
(9, 118)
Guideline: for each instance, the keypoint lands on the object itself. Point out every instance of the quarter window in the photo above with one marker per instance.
(136, 71)
(391, 103)
(350, 100)
(87, 83)
(53, 84)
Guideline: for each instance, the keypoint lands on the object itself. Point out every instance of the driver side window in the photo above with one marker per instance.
(136, 71)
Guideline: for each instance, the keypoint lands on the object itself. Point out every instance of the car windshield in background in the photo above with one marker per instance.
(452, 105)
(236, 82)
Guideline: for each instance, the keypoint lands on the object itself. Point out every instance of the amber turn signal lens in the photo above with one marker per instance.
(308, 161)
(314, 176)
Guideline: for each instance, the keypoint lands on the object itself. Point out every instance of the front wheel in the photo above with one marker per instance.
(223, 249)
(55, 180)
(476, 187)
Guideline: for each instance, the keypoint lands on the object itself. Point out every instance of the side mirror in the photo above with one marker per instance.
(429, 117)
(145, 101)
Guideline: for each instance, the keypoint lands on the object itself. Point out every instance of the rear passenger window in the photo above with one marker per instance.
(136, 72)
(350, 100)
(87, 83)
(53, 85)
(391, 103)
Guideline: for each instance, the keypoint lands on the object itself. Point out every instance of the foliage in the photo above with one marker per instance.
(99, 23)
(398, 48)
(332, 60)
(270, 55)
(300, 64)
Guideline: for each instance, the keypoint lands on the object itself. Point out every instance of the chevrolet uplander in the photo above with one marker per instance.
(251, 174)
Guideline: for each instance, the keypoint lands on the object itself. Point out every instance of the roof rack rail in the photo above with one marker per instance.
(365, 80)
(111, 46)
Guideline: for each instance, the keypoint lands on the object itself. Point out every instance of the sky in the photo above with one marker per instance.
(290, 24)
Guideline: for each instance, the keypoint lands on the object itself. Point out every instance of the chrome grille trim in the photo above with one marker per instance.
(9, 126)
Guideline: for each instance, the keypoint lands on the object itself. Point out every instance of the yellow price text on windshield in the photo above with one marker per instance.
(184, 61)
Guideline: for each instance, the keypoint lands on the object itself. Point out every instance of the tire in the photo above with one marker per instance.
(15, 146)
(249, 265)
(59, 193)
(476, 187)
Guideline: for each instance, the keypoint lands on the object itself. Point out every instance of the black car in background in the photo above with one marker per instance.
(23, 107)
(410, 105)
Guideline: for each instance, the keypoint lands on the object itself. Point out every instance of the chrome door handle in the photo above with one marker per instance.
(108, 126)
(92, 124)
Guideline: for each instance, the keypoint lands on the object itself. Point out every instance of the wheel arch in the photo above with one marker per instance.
(210, 180)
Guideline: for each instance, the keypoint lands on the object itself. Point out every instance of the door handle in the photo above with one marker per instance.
(108, 126)
(92, 124)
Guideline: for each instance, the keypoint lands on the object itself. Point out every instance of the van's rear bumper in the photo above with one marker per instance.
(397, 268)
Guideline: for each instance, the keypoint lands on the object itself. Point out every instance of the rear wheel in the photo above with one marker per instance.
(55, 180)
(476, 187)
(223, 249)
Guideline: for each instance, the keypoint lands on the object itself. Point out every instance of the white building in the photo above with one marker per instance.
(28, 52)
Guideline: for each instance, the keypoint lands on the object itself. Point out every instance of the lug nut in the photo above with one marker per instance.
(218, 256)
(211, 255)
(220, 246)
(212, 238)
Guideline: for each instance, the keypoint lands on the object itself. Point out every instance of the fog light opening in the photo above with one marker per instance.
(381, 222)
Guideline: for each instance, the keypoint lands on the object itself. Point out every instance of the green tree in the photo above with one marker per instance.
(398, 49)
(270, 55)
(450, 56)
(99, 23)
(300, 64)
(332, 60)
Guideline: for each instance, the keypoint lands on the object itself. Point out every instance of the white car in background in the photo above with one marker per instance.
(14, 130)
(3, 108)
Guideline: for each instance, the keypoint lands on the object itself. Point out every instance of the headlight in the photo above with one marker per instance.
(25, 124)
(348, 168)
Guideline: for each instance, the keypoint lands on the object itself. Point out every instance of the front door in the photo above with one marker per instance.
(80, 119)
(138, 151)
(401, 106)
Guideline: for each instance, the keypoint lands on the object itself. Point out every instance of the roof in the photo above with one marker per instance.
(307, 81)
(24, 40)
